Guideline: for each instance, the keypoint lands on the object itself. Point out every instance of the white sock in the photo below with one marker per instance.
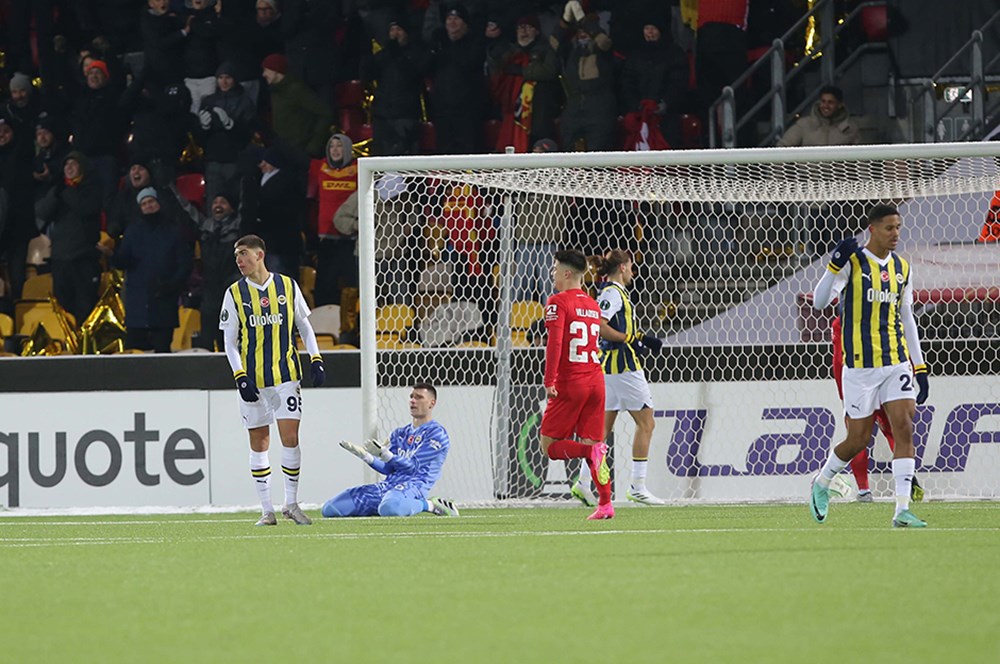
(902, 472)
(832, 466)
(291, 461)
(260, 470)
(639, 473)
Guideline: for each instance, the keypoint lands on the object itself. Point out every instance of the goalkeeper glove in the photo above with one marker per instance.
(842, 253)
(248, 391)
(318, 372)
(379, 449)
(357, 451)
(920, 373)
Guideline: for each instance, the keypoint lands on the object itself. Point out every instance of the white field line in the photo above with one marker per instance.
(30, 542)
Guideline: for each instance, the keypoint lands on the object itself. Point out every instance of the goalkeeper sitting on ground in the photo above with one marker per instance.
(411, 460)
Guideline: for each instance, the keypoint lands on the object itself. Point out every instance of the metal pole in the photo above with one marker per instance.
(728, 118)
(366, 257)
(930, 117)
(778, 88)
(977, 87)
(502, 401)
(828, 62)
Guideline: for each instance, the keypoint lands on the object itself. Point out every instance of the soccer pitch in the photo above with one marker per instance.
(758, 583)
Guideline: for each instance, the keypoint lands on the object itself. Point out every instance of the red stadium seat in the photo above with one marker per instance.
(349, 94)
(428, 138)
(875, 23)
(359, 133)
(690, 132)
(350, 118)
(192, 187)
(491, 131)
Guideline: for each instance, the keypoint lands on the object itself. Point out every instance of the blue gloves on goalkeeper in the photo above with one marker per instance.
(842, 253)
(924, 391)
(318, 372)
(248, 391)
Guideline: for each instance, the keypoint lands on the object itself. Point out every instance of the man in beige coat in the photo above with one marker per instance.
(827, 124)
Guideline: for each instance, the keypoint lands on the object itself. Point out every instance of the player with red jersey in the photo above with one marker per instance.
(574, 380)
(859, 464)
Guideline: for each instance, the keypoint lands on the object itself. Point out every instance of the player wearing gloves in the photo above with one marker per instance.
(879, 341)
(622, 346)
(257, 316)
(411, 461)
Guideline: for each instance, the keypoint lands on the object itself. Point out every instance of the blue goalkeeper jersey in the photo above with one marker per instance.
(419, 455)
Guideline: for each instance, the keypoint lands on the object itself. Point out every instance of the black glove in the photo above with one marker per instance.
(248, 391)
(652, 343)
(843, 252)
(318, 372)
(920, 373)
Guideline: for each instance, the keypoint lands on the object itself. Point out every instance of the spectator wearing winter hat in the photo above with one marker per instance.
(21, 111)
(458, 94)
(524, 84)
(164, 34)
(225, 120)
(157, 260)
(98, 126)
(298, 116)
(398, 68)
(332, 181)
(276, 211)
(71, 214)
(657, 71)
(201, 49)
(17, 225)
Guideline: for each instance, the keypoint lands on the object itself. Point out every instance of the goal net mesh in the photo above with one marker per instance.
(726, 257)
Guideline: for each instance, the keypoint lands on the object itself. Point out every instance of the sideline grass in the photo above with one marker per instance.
(676, 584)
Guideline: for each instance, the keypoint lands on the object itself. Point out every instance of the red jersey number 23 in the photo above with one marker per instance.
(579, 339)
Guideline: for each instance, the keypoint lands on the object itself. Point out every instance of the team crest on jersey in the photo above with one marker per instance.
(885, 277)
(264, 302)
(551, 312)
(282, 299)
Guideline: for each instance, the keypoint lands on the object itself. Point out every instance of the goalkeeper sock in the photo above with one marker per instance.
(260, 470)
(902, 472)
(834, 464)
(639, 473)
(859, 467)
(568, 449)
(291, 461)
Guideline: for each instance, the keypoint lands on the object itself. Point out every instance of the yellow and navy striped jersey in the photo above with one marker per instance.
(616, 308)
(266, 317)
(872, 328)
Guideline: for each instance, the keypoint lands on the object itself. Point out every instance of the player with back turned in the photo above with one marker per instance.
(574, 381)
(257, 316)
(879, 339)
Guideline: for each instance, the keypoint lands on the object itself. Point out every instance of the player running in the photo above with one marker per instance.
(411, 461)
(257, 316)
(880, 339)
(574, 382)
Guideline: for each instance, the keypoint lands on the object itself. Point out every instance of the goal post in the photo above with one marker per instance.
(454, 253)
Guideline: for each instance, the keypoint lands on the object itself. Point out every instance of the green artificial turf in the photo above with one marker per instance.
(675, 584)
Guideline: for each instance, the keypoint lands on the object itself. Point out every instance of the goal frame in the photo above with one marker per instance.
(369, 167)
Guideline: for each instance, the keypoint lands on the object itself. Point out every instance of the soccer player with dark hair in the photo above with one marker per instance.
(625, 384)
(574, 382)
(880, 340)
(257, 316)
(411, 460)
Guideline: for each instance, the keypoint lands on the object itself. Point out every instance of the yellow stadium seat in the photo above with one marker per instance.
(523, 313)
(307, 282)
(189, 323)
(323, 340)
(38, 287)
(45, 316)
(6, 326)
(344, 347)
(473, 344)
(394, 318)
(519, 339)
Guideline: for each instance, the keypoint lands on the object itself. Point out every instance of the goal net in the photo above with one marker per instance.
(456, 252)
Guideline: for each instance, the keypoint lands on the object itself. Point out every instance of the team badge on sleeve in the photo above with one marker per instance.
(551, 312)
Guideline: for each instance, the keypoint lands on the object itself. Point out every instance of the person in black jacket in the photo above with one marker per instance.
(201, 49)
(71, 213)
(163, 37)
(98, 127)
(17, 218)
(50, 151)
(226, 119)
(399, 69)
(658, 70)
(458, 94)
(161, 120)
(279, 213)
(157, 261)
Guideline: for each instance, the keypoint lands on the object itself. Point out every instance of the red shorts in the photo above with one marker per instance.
(578, 409)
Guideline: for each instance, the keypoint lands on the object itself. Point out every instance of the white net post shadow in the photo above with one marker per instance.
(456, 252)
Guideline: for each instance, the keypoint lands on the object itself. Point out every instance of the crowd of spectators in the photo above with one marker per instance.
(109, 101)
